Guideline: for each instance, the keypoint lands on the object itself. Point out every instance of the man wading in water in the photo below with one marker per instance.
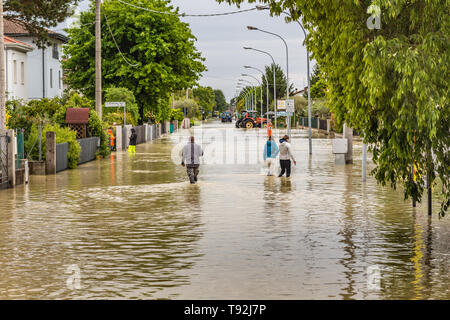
(191, 159)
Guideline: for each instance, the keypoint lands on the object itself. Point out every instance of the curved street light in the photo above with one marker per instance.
(287, 68)
(247, 92)
(308, 72)
(253, 88)
(267, 89)
(274, 81)
(260, 85)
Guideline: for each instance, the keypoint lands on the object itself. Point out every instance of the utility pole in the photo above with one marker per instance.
(98, 60)
(2, 73)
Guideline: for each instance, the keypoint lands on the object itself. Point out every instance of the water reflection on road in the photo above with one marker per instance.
(138, 230)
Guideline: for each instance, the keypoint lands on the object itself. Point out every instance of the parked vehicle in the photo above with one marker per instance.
(226, 117)
(249, 119)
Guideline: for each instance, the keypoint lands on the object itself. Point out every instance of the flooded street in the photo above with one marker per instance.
(134, 228)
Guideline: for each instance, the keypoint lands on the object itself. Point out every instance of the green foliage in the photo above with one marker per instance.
(193, 109)
(122, 95)
(63, 135)
(319, 108)
(176, 114)
(159, 50)
(38, 15)
(301, 106)
(221, 104)
(53, 112)
(24, 115)
(390, 84)
(280, 79)
(205, 98)
(97, 128)
(116, 119)
(318, 84)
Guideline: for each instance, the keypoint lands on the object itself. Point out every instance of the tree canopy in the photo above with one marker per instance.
(220, 102)
(205, 98)
(38, 15)
(318, 84)
(390, 83)
(280, 79)
(157, 54)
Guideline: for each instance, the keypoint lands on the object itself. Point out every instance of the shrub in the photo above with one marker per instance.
(193, 109)
(116, 118)
(98, 128)
(123, 95)
(177, 114)
(63, 135)
(24, 114)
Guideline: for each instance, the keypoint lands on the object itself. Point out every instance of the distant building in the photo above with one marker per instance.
(300, 93)
(16, 65)
(42, 67)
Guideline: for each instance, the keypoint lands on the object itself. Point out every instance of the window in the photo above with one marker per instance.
(51, 78)
(22, 72)
(55, 51)
(60, 79)
(15, 71)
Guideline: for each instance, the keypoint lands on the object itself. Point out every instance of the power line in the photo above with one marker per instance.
(187, 15)
(117, 46)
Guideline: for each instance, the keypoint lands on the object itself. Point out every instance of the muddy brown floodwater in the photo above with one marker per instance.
(132, 227)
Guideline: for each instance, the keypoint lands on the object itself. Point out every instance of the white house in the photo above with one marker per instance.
(16, 65)
(43, 69)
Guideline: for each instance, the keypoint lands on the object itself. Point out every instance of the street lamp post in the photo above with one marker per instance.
(253, 88)
(260, 84)
(247, 92)
(267, 89)
(287, 68)
(274, 81)
(309, 74)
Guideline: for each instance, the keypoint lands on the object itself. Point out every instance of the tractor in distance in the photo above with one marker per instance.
(249, 119)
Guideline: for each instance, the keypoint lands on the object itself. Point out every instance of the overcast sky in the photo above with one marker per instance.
(221, 41)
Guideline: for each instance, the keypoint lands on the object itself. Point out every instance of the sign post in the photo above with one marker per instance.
(119, 105)
(289, 107)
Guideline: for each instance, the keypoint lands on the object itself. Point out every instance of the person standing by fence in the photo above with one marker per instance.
(191, 159)
(133, 141)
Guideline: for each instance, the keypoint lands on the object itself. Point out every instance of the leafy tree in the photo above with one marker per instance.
(318, 84)
(176, 114)
(38, 15)
(221, 102)
(280, 79)
(159, 54)
(205, 98)
(122, 95)
(191, 107)
(391, 84)
(301, 106)
(63, 135)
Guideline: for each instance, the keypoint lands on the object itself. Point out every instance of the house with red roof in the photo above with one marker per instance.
(41, 69)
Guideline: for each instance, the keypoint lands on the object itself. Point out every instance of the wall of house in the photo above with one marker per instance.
(51, 82)
(16, 74)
